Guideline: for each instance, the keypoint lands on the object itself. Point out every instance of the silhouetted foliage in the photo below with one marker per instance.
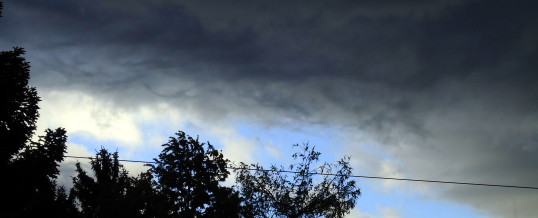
(143, 195)
(273, 193)
(18, 113)
(31, 187)
(113, 193)
(1, 8)
(30, 168)
(64, 204)
(189, 173)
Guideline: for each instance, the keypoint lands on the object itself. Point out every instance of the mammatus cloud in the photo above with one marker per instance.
(443, 89)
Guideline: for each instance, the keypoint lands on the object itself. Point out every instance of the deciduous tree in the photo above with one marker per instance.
(30, 168)
(31, 187)
(273, 192)
(189, 173)
(19, 110)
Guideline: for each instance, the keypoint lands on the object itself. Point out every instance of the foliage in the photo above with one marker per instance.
(32, 166)
(189, 173)
(18, 113)
(143, 196)
(113, 193)
(272, 193)
(32, 186)
(45, 155)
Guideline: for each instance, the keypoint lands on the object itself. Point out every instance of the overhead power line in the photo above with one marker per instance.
(353, 176)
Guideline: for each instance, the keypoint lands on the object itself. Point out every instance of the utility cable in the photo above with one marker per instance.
(352, 176)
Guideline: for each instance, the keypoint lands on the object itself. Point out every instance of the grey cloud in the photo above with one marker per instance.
(449, 87)
(483, 135)
(400, 52)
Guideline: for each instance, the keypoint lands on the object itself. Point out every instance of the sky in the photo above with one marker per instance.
(439, 90)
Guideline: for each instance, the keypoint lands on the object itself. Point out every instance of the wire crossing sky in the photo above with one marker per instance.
(353, 176)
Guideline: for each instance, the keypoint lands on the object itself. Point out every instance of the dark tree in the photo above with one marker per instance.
(18, 113)
(31, 188)
(31, 167)
(273, 193)
(142, 194)
(113, 193)
(99, 197)
(189, 173)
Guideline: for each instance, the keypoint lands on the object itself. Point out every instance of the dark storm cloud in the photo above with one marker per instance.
(399, 51)
(450, 87)
(165, 37)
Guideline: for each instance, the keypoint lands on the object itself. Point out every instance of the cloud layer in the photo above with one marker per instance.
(446, 89)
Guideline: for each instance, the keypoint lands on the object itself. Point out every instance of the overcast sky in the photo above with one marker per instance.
(443, 90)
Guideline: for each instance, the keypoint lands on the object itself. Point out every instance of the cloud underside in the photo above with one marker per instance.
(447, 89)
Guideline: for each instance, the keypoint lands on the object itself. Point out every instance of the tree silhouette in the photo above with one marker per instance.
(113, 193)
(273, 193)
(189, 173)
(18, 113)
(30, 167)
(143, 195)
(31, 187)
